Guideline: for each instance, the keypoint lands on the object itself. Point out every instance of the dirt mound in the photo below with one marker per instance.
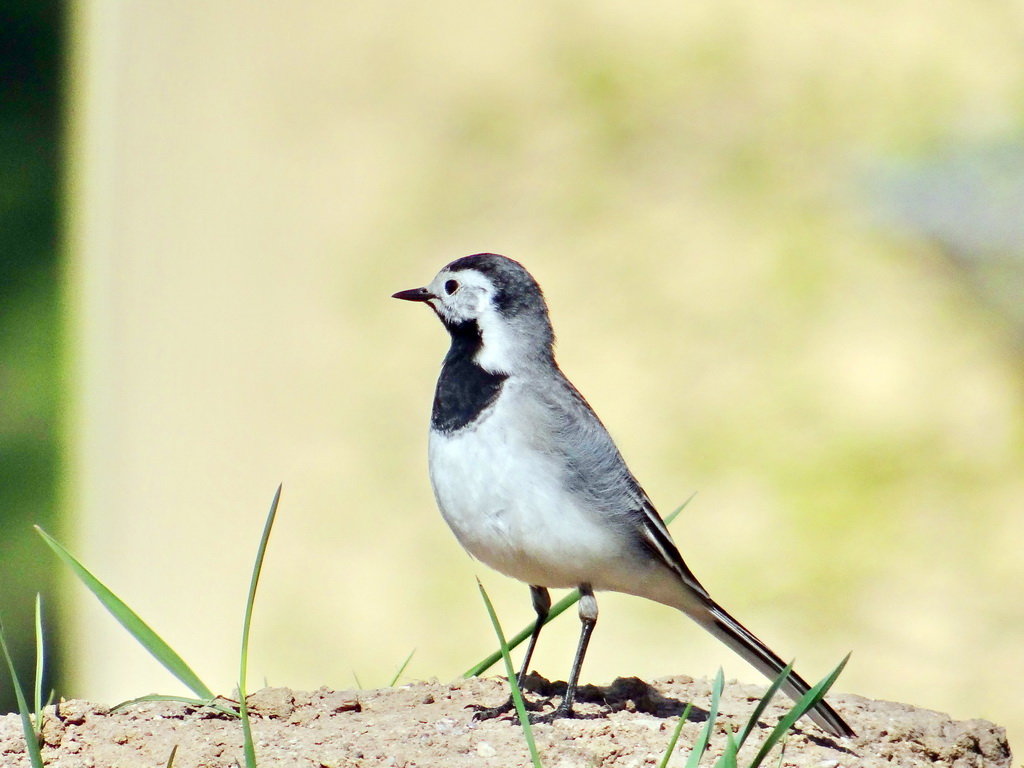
(625, 724)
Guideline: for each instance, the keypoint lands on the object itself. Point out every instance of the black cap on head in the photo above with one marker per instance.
(517, 290)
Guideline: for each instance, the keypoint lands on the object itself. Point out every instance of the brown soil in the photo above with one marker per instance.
(626, 724)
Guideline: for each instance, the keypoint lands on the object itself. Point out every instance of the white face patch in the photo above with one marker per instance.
(461, 296)
(468, 295)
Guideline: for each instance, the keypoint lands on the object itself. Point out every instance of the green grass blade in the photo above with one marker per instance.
(170, 758)
(517, 695)
(807, 701)
(40, 663)
(248, 744)
(490, 660)
(243, 663)
(730, 753)
(762, 705)
(253, 583)
(671, 516)
(675, 736)
(701, 745)
(31, 738)
(131, 621)
(556, 610)
(401, 669)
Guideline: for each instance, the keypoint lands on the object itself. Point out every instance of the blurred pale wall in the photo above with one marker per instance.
(251, 182)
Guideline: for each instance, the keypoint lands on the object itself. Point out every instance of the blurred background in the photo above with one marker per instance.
(32, 376)
(782, 244)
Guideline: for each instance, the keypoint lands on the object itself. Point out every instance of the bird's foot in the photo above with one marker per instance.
(487, 713)
(558, 712)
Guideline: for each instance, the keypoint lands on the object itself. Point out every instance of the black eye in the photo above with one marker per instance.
(451, 287)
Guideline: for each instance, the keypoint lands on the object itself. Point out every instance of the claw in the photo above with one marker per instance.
(560, 711)
(487, 713)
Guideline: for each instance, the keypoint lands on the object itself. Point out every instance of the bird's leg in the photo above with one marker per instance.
(542, 606)
(588, 618)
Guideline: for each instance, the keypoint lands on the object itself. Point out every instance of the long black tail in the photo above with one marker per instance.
(723, 626)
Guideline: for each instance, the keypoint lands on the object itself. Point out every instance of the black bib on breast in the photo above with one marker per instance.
(464, 389)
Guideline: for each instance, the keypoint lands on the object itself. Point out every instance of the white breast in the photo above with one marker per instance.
(504, 498)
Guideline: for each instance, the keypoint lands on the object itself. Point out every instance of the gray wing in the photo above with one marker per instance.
(597, 472)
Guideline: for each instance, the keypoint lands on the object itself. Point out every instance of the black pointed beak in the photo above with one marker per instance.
(414, 294)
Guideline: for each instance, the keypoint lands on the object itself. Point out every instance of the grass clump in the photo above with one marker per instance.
(159, 649)
(31, 720)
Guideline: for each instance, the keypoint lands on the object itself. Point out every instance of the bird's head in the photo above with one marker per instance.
(494, 299)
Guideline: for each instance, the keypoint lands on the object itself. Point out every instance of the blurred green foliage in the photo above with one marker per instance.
(31, 34)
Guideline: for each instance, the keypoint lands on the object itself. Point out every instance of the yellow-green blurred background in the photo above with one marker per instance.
(781, 243)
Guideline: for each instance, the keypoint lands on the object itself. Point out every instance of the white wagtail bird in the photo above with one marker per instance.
(531, 483)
